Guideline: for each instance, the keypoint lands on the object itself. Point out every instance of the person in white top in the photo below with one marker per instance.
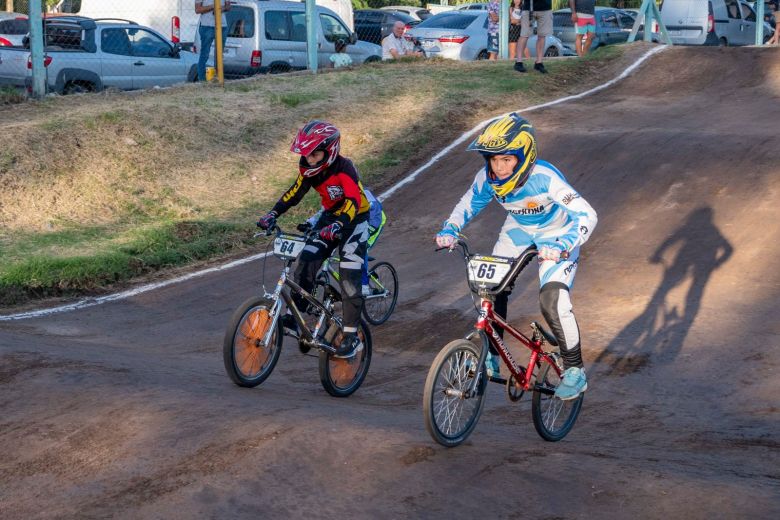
(395, 45)
(340, 58)
(205, 8)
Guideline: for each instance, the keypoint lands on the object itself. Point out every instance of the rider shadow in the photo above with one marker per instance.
(660, 331)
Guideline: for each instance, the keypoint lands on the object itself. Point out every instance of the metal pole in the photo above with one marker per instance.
(648, 34)
(36, 50)
(503, 30)
(312, 45)
(759, 22)
(218, 50)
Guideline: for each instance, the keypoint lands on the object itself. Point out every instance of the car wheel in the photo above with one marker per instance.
(483, 55)
(77, 88)
(552, 52)
(723, 42)
(278, 68)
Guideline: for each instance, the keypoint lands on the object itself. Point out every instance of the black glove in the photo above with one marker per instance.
(267, 221)
(304, 227)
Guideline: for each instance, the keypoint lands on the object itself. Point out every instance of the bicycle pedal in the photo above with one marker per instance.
(499, 380)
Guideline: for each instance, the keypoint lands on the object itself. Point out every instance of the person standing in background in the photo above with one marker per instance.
(207, 30)
(541, 11)
(493, 8)
(583, 16)
(515, 12)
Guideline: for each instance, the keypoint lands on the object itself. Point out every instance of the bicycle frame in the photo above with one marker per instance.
(308, 337)
(485, 328)
(522, 375)
(329, 269)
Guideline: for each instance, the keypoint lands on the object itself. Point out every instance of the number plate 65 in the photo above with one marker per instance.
(488, 270)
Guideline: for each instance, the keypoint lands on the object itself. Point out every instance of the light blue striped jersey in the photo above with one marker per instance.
(546, 209)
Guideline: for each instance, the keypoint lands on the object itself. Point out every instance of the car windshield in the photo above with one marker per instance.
(449, 21)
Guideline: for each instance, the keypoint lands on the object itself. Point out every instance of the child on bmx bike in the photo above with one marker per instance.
(544, 210)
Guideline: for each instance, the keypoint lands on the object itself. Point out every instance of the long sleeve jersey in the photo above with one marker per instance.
(546, 209)
(339, 188)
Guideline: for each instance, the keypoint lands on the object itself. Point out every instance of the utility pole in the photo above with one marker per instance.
(36, 50)
(218, 50)
(312, 45)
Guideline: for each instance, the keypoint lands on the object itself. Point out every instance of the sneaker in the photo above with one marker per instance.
(493, 365)
(350, 346)
(366, 290)
(540, 67)
(572, 385)
(519, 67)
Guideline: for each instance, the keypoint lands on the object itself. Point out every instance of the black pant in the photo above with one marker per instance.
(352, 249)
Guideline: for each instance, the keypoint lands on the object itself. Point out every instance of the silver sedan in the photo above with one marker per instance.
(462, 35)
(13, 28)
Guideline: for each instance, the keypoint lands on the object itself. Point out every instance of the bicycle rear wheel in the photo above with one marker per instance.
(449, 416)
(341, 377)
(383, 287)
(553, 418)
(249, 361)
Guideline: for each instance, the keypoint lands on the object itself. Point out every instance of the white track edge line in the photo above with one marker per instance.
(91, 302)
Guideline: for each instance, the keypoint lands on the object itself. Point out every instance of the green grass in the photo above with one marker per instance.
(10, 96)
(179, 177)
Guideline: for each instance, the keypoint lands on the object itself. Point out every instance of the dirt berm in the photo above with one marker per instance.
(124, 410)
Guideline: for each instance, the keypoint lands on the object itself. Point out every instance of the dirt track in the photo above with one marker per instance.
(125, 410)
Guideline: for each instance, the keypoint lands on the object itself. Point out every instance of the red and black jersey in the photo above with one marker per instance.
(339, 188)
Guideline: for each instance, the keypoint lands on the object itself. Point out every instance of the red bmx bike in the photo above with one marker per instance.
(455, 386)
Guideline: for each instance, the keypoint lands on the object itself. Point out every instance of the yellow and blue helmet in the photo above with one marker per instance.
(508, 135)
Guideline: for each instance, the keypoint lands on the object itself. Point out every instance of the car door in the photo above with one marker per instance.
(609, 27)
(156, 64)
(332, 30)
(748, 24)
(734, 34)
(285, 35)
(116, 59)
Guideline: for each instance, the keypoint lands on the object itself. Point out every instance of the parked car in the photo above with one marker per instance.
(175, 18)
(734, 22)
(84, 55)
(473, 7)
(418, 13)
(612, 26)
(373, 25)
(13, 27)
(462, 35)
(271, 37)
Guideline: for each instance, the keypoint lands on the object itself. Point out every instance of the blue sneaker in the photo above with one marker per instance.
(493, 365)
(573, 384)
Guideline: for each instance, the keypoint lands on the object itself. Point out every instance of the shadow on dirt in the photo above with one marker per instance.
(659, 332)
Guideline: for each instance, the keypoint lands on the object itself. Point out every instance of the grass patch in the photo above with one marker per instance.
(179, 176)
(11, 96)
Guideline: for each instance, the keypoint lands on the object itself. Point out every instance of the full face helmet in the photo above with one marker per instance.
(314, 136)
(508, 135)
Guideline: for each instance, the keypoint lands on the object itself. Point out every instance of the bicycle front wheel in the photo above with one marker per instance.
(248, 360)
(553, 418)
(450, 416)
(383, 293)
(341, 377)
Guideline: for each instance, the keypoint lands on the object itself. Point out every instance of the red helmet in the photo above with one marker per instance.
(316, 135)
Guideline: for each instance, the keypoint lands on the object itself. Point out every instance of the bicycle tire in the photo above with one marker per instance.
(452, 360)
(377, 311)
(341, 377)
(546, 409)
(242, 349)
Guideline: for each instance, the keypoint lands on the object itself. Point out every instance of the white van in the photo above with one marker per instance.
(711, 22)
(270, 36)
(174, 18)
